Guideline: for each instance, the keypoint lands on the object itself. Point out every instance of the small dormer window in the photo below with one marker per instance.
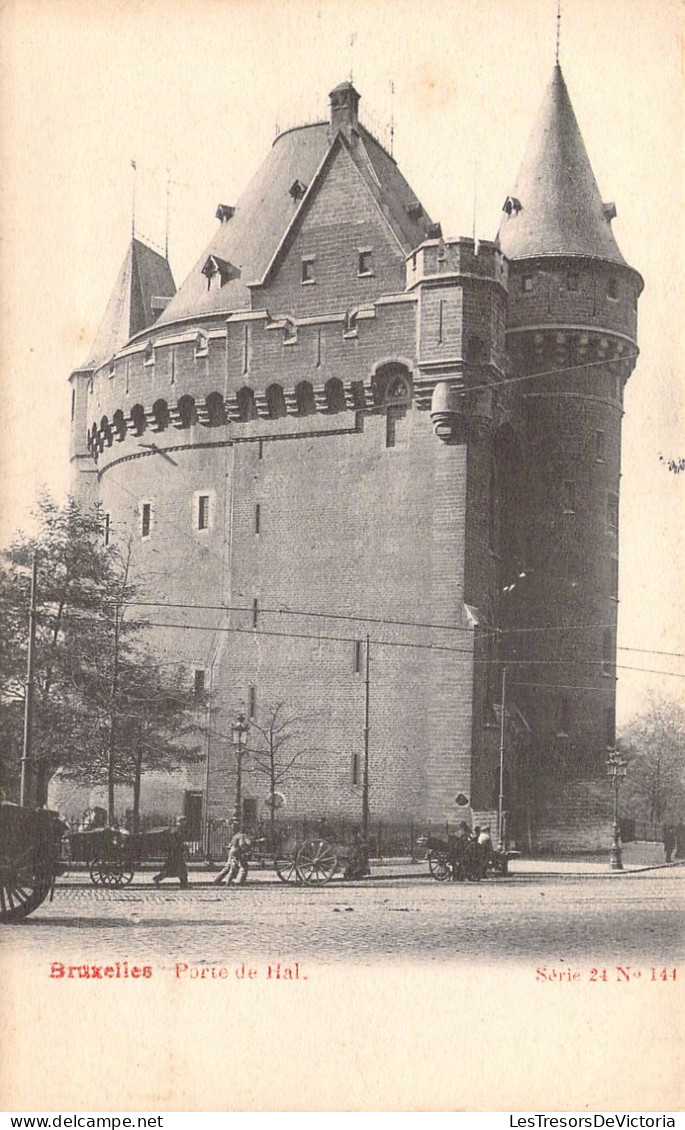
(365, 262)
(149, 355)
(307, 275)
(218, 272)
(350, 328)
(512, 206)
(414, 210)
(225, 212)
(201, 346)
(289, 332)
(297, 190)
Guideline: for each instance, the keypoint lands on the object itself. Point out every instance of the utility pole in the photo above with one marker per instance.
(365, 777)
(25, 788)
(500, 807)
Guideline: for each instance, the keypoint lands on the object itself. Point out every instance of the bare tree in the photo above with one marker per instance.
(274, 747)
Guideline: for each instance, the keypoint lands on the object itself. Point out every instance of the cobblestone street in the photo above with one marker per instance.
(541, 917)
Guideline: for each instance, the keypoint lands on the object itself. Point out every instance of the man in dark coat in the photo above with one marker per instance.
(174, 866)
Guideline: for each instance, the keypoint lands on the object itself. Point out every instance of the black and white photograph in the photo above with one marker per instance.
(342, 713)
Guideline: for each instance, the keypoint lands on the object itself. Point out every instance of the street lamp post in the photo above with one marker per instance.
(240, 729)
(616, 770)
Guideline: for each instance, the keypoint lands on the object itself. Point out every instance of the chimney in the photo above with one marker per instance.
(344, 108)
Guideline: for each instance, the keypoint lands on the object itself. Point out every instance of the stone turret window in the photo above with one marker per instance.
(201, 346)
(297, 190)
(572, 284)
(149, 355)
(145, 519)
(527, 284)
(73, 402)
(612, 289)
(569, 496)
(600, 446)
(365, 262)
(203, 512)
(307, 271)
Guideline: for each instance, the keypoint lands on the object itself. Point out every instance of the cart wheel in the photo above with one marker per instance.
(127, 876)
(286, 869)
(316, 862)
(22, 889)
(94, 872)
(437, 863)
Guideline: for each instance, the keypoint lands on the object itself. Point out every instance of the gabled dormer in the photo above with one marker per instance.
(219, 271)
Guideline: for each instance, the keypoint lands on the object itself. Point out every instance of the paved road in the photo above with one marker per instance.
(633, 917)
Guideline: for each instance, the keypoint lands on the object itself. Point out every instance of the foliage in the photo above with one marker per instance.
(104, 710)
(654, 745)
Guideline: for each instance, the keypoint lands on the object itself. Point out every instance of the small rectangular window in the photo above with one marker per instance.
(355, 768)
(73, 402)
(612, 290)
(365, 263)
(358, 656)
(572, 284)
(527, 284)
(307, 271)
(252, 702)
(610, 727)
(198, 683)
(599, 446)
(569, 497)
(260, 449)
(564, 718)
(614, 577)
(257, 518)
(145, 519)
(255, 612)
(203, 512)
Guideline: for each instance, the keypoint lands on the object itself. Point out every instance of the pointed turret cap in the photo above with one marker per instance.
(143, 288)
(556, 207)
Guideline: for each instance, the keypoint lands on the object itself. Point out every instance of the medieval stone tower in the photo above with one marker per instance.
(345, 425)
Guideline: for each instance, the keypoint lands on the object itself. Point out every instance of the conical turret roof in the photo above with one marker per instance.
(556, 207)
(144, 284)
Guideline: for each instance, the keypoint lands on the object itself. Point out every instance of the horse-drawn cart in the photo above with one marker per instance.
(315, 861)
(30, 859)
(113, 855)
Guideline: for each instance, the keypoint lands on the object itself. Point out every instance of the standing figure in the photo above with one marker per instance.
(669, 842)
(174, 866)
(238, 859)
(457, 852)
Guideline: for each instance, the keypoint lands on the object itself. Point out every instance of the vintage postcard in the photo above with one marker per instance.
(342, 729)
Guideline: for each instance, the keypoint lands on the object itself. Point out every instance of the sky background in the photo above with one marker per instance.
(201, 87)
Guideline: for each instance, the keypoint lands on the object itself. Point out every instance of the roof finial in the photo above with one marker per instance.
(133, 200)
(353, 36)
(558, 29)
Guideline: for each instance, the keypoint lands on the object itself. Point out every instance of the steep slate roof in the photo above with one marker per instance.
(561, 210)
(266, 211)
(144, 275)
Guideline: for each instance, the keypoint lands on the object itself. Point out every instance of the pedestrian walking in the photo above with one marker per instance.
(237, 861)
(174, 866)
(669, 842)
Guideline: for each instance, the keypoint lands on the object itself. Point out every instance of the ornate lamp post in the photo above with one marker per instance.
(616, 770)
(240, 730)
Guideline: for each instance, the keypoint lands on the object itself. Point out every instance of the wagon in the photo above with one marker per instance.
(314, 862)
(113, 854)
(30, 859)
(441, 864)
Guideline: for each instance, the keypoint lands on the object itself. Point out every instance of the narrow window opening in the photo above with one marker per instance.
(610, 727)
(203, 512)
(527, 284)
(612, 290)
(365, 265)
(564, 718)
(172, 364)
(569, 497)
(607, 652)
(612, 512)
(257, 518)
(358, 656)
(106, 529)
(73, 402)
(614, 577)
(440, 320)
(198, 683)
(355, 768)
(252, 702)
(246, 345)
(260, 449)
(128, 376)
(145, 520)
(307, 275)
(599, 446)
(255, 612)
(572, 284)
(318, 348)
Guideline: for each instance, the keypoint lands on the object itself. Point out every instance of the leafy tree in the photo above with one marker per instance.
(654, 745)
(104, 709)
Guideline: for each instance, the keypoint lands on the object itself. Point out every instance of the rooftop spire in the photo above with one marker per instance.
(556, 57)
(556, 207)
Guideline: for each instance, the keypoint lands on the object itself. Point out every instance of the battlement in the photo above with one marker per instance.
(439, 257)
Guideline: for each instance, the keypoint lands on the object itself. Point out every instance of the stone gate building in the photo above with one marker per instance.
(344, 424)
